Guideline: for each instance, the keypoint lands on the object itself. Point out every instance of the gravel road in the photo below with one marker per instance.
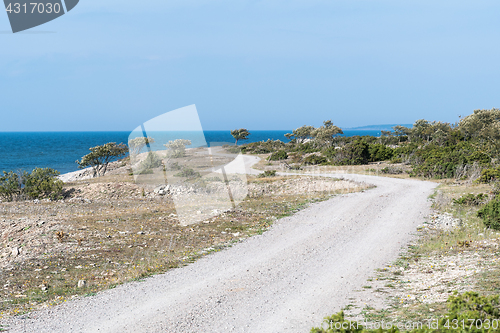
(285, 280)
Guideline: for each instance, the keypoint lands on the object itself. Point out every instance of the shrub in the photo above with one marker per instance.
(471, 200)
(10, 185)
(315, 159)
(379, 152)
(354, 153)
(461, 308)
(267, 173)
(42, 183)
(278, 156)
(188, 173)
(152, 161)
(177, 148)
(490, 214)
(263, 147)
(391, 170)
(488, 175)
(330, 152)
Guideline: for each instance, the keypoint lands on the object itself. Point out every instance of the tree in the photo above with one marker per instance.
(177, 148)
(100, 156)
(135, 145)
(401, 131)
(301, 134)
(326, 133)
(484, 126)
(240, 134)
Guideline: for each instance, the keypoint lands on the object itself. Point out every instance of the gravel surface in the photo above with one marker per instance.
(285, 280)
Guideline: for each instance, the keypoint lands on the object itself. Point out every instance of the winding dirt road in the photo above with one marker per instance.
(285, 280)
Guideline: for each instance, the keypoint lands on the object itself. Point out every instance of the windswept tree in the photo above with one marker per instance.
(100, 156)
(401, 131)
(177, 148)
(483, 126)
(301, 134)
(135, 145)
(325, 134)
(240, 134)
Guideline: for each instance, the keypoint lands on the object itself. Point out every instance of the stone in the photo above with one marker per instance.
(15, 251)
(81, 283)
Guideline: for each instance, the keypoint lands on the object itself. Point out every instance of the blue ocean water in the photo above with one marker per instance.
(60, 150)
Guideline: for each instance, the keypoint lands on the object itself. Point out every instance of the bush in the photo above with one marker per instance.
(152, 161)
(489, 175)
(354, 153)
(278, 156)
(391, 170)
(379, 152)
(490, 214)
(471, 199)
(267, 173)
(315, 160)
(10, 185)
(188, 173)
(461, 308)
(330, 152)
(263, 147)
(42, 183)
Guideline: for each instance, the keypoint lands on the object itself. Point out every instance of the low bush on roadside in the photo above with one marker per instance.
(489, 175)
(42, 183)
(390, 170)
(379, 152)
(490, 214)
(278, 156)
(354, 153)
(461, 308)
(267, 173)
(315, 160)
(471, 199)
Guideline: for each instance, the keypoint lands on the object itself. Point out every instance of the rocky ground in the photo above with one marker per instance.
(453, 253)
(110, 230)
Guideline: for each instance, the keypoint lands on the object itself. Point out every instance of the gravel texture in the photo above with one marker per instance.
(285, 280)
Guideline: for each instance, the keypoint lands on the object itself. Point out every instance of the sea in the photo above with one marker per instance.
(24, 151)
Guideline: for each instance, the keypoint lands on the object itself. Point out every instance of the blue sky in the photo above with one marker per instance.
(275, 64)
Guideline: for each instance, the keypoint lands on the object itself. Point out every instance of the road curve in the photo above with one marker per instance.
(285, 280)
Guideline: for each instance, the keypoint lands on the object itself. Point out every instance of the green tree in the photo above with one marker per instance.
(401, 131)
(135, 145)
(10, 185)
(301, 134)
(325, 134)
(240, 134)
(483, 126)
(100, 156)
(42, 183)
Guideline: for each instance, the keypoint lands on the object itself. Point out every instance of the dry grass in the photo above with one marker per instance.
(112, 231)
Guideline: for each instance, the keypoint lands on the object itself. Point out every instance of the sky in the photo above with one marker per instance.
(275, 64)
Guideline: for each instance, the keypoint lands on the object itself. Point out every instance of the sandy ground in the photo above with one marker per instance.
(305, 267)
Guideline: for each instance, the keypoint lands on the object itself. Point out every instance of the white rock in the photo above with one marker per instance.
(15, 251)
